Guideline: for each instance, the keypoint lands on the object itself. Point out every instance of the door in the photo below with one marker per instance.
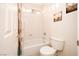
(8, 29)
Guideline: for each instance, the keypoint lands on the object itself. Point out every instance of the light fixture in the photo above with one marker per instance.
(37, 12)
(29, 10)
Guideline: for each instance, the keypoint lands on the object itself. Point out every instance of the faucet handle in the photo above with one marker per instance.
(44, 33)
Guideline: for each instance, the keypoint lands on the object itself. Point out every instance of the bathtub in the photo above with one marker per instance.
(32, 47)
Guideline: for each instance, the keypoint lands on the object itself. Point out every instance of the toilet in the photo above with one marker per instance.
(54, 46)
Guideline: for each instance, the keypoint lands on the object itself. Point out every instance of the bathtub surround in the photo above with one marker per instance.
(33, 31)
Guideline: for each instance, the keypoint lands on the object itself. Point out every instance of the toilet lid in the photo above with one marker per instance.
(47, 50)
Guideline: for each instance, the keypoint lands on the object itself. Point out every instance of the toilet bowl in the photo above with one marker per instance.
(47, 51)
(56, 45)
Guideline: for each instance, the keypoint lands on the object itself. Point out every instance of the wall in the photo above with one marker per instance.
(65, 29)
(8, 29)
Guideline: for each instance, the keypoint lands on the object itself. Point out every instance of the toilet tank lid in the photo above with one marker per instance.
(58, 39)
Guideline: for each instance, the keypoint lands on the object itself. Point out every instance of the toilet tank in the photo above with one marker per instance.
(56, 43)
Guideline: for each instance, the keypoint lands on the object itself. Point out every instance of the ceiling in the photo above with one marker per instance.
(38, 6)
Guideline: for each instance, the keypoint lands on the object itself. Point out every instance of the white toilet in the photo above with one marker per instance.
(56, 45)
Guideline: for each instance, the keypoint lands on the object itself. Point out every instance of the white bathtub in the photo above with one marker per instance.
(32, 47)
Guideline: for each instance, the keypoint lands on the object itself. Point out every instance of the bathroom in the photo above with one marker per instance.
(26, 28)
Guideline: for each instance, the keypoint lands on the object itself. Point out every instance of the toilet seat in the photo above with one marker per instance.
(47, 50)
